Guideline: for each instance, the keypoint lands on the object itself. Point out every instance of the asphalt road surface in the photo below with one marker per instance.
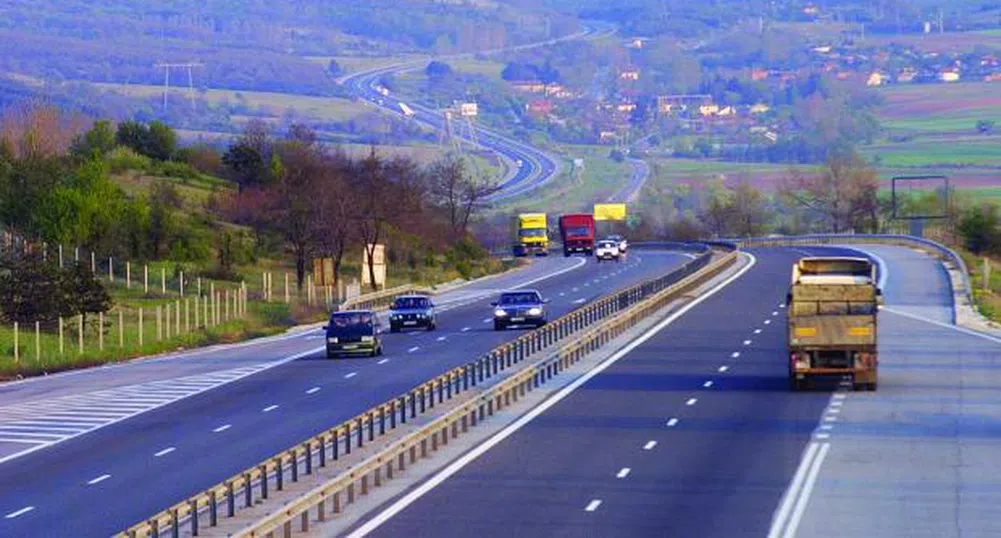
(154, 448)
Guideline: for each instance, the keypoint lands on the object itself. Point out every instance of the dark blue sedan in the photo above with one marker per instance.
(412, 312)
(523, 307)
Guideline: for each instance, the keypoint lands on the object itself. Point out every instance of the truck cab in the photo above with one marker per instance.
(530, 234)
(577, 233)
(833, 304)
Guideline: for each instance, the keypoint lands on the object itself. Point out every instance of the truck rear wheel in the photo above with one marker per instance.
(795, 385)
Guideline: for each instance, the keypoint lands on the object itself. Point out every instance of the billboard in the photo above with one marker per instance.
(379, 266)
(609, 212)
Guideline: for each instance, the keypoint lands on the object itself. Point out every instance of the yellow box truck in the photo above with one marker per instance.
(530, 233)
(833, 304)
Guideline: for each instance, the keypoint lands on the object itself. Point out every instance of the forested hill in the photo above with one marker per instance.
(246, 45)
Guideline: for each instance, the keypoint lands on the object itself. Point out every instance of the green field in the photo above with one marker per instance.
(947, 152)
(324, 108)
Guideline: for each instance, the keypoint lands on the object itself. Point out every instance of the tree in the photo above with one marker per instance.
(249, 156)
(334, 68)
(748, 214)
(298, 199)
(980, 227)
(163, 200)
(458, 192)
(162, 141)
(133, 134)
(31, 289)
(438, 70)
(97, 142)
(85, 292)
(844, 194)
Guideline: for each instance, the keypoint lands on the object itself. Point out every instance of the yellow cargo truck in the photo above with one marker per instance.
(530, 233)
(832, 321)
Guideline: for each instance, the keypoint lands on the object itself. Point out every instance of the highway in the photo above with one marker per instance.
(695, 433)
(536, 166)
(149, 449)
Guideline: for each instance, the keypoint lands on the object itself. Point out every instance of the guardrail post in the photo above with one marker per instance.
(155, 529)
(304, 521)
(295, 467)
(335, 446)
(371, 427)
(423, 398)
(337, 502)
(194, 517)
(264, 480)
(413, 406)
(347, 440)
(230, 500)
(279, 474)
(213, 509)
(175, 524)
(361, 433)
(309, 458)
(382, 421)
(448, 393)
(248, 491)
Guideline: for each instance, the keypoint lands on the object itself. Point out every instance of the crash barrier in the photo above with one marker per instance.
(379, 300)
(939, 250)
(582, 330)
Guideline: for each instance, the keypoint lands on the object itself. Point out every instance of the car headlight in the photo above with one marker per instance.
(367, 338)
(500, 313)
(535, 312)
(332, 340)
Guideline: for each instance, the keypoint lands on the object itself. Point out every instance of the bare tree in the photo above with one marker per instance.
(843, 194)
(299, 193)
(748, 214)
(458, 192)
(336, 206)
(374, 205)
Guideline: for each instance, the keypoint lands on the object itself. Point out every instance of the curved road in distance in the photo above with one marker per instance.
(695, 433)
(537, 167)
(100, 482)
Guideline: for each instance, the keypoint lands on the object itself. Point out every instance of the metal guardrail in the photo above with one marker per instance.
(353, 432)
(943, 252)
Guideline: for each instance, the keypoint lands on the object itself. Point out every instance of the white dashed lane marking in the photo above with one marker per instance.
(164, 452)
(442, 338)
(99, 479)
(383, 361)
(735, 354)
(757, 331)
(747, 342)
(466, 329)
(672, 423)
(723, 369)
(691, 401)
(222, 428)
(20, 512)
(707, 384)
(623, 473)
(768, 322)
(269, 408)
(349, 376)
(593, 505)
(649, 445)
(313, 390)
(413, 349)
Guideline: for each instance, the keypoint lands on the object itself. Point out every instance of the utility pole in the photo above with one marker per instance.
(189, 66)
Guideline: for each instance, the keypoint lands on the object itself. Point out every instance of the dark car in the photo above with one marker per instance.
(523, 307)
(354, 332)
(412, 311)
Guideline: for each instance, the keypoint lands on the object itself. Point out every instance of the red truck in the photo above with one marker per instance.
(577, 231)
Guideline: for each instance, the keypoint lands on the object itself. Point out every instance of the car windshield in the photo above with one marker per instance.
(351, 320)
(519, 298)
(534, 232)
(580, 230)
(411, 303)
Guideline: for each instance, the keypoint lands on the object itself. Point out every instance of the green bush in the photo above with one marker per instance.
(123, 159)
(980, 229)
(174, 169)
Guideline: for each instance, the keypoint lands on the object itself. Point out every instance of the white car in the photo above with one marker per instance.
(621, 241)
(607, 250)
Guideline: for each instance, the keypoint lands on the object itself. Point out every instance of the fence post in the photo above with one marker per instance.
(128, 275)
(121, 328)
(187, 315)
(17, 352)
(111, 269)
(166, 321)
(61, 348)
(196, 311)
(163, 280)
(159, 324)
(60, 255)
(76, 254)
(140, 326)
(93, 262)
(145, 278)
(286, 289)
(38, 342)
(205, 312)
(80, 335)
(226, 306)
(100, 331)
(181, 283)
(177, 317)
(199, 285)
(264, 285)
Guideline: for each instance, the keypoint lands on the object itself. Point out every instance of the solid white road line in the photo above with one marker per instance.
(269, 408)
(723, 369)
(623, 473)
(99, 479)
(313, 390)
(593, 505)
(672, 423)
(222, 428)
(20, 512)
(482, 448)
(691, 401)
(804, 497)
(349, 376)
(164, 452)
(383, 361)
(792, 493)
